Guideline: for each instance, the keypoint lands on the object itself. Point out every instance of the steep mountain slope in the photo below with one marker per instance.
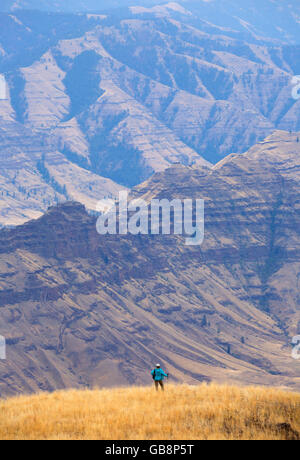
(127, 93)
(33, 173)
(33, 176)
(82, 309)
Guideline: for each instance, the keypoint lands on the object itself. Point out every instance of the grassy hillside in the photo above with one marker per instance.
(182, 412)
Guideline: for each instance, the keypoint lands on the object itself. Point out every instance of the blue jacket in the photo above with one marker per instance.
(159, 374)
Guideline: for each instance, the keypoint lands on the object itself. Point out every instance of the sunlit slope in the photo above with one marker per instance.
(182, 412)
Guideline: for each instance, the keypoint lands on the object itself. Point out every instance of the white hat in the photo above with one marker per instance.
(157, 365)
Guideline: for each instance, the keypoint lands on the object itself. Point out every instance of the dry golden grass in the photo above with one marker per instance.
(183, 412)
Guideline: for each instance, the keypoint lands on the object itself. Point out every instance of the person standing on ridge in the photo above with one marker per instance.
(158, 376)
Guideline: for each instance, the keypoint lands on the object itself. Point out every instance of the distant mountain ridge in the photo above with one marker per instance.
(70, 6)
(275, 19)
(100, 102)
